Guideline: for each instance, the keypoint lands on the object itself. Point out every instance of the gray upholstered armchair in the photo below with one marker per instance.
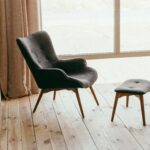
(52, 74)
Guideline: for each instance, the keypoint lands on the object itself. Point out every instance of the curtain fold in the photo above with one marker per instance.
(18, 18)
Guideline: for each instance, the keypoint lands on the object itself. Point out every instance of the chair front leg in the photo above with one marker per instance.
(93, 93)
(79, 102)
(39, 98)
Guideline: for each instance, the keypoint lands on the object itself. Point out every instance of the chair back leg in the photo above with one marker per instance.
(54, 95)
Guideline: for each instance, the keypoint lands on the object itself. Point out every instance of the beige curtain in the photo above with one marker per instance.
(17, 18)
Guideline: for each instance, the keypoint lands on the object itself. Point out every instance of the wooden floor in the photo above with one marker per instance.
(57, 125)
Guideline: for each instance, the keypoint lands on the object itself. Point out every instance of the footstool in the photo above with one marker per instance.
(137, 87)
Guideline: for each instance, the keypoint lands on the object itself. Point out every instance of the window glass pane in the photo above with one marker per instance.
(135, 25)
(79, 26)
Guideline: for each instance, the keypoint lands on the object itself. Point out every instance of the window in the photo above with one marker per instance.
(98, 28)
(135, 25)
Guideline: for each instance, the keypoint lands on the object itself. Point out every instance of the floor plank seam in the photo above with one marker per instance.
(20, 124)
(33, 121)
(7, 122)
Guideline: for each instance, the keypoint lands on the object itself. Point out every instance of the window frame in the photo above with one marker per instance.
(117, 53)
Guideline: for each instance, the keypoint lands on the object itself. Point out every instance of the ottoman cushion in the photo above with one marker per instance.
(134, 86)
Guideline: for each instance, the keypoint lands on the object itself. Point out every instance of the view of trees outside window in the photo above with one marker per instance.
(79, 26)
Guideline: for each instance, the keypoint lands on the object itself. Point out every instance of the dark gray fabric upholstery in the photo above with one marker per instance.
(134, 86)
(48, 70)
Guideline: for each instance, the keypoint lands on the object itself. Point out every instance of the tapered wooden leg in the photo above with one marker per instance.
(39, 98)
(79, 102)
(93, 93)
(54, 96)
(142, 109)
(114, 108)
(127, 101)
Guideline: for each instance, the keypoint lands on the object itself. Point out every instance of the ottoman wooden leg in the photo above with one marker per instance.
(127, 100)
(142, 109)
(115, 105)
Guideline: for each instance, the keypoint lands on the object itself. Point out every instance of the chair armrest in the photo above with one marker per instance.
(71, 65)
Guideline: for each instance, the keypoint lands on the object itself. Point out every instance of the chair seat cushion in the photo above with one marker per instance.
(134, 86)
(85, 77)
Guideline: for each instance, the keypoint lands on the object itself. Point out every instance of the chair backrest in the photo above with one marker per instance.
(37, 50)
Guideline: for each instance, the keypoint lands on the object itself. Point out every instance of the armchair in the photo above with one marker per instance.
(51, 73)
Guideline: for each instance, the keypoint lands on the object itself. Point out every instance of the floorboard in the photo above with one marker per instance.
(27, 126)
(73, 128)
(14, 126)
(3, 125)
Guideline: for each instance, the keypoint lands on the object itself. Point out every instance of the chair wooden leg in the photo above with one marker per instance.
(79, 102)
(127, 101)
(93, 93)
(39, 98)
(54, 96)
(142, 109)
(115, 105)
